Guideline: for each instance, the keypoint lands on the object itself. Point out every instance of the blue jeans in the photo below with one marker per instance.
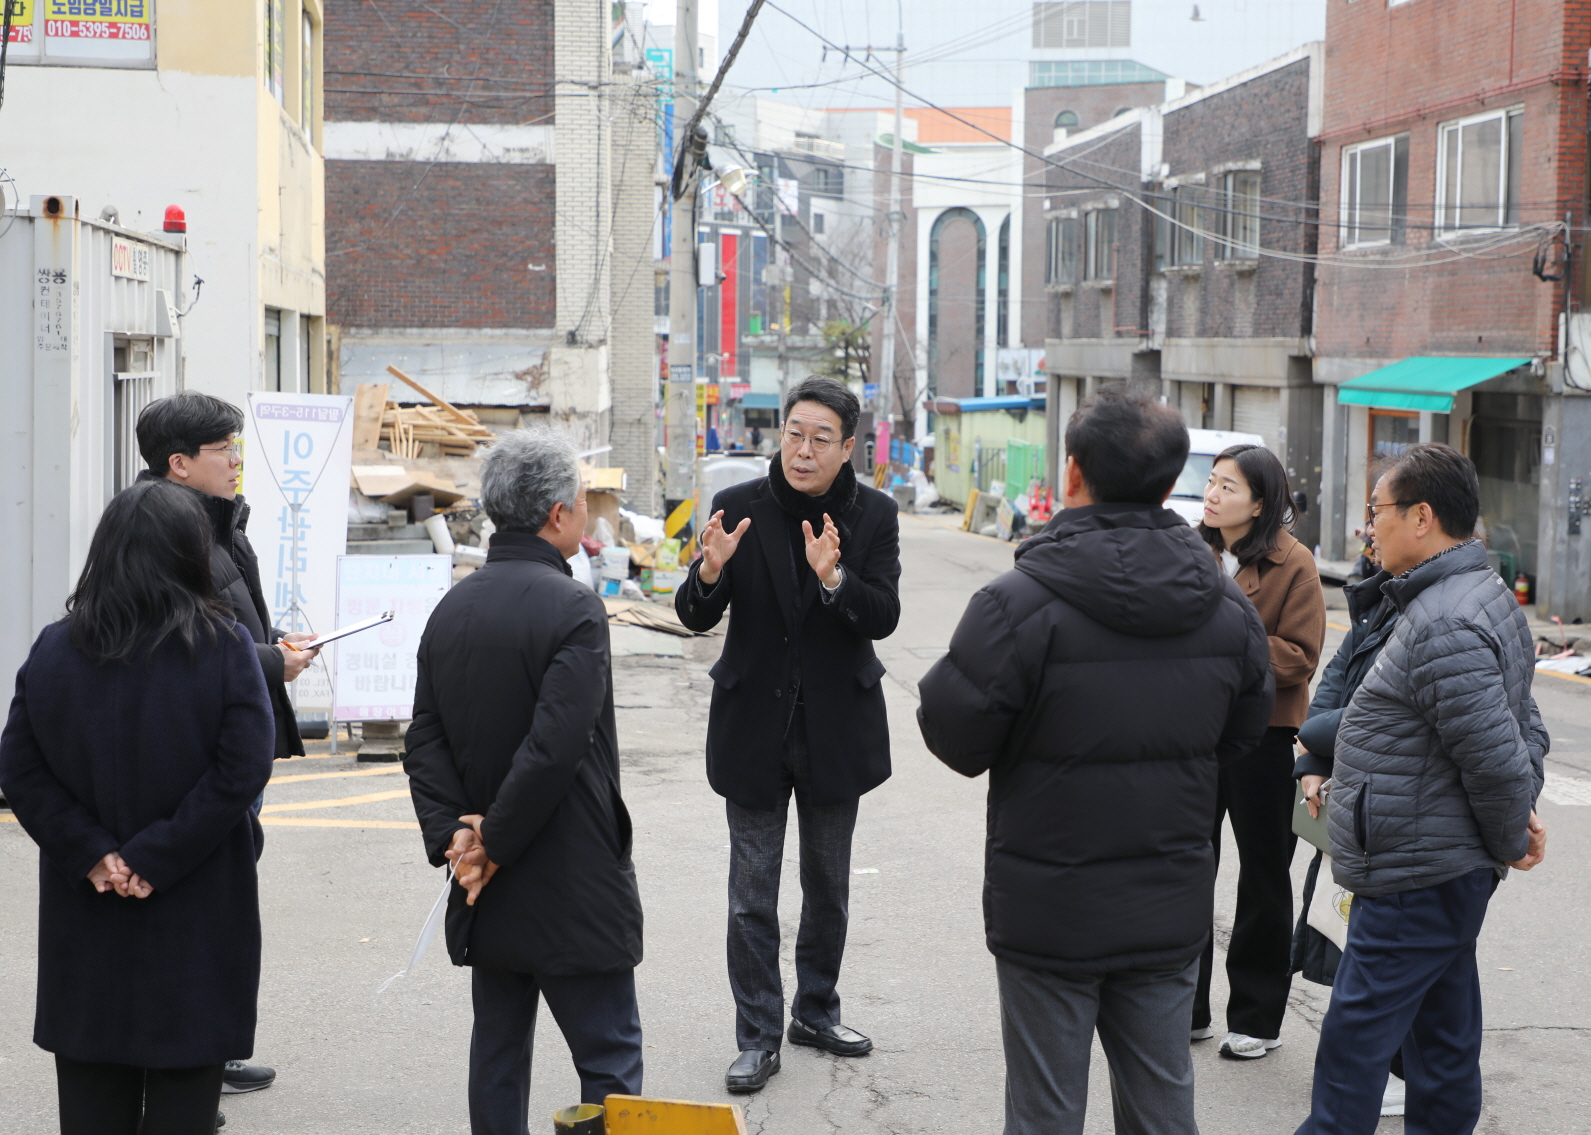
(1408, 978)
(756, 855)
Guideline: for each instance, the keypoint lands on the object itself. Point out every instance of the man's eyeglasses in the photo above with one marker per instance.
(795, 439)
(233, 450)
(1370, 512)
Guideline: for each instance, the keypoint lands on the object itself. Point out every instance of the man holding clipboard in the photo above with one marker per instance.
(191, 439)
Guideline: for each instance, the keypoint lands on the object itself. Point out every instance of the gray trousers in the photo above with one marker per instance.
(1048, 1022)
(756, 855)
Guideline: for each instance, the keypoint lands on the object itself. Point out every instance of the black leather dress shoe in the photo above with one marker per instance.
(836, 1039)
(751, 1070)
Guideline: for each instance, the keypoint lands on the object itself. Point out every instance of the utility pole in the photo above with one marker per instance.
(886, 371)
(680, 413)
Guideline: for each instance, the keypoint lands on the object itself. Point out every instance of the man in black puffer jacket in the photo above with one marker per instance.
(1100, 683)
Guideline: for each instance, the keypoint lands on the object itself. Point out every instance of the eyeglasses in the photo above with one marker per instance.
(233, 450)
(1370, 511)
(795, 439)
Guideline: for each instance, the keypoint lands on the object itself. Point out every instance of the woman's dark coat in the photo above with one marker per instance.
(513, 720)
(784, 637)
(1371, 617)
(1100, 683)
(159, 759)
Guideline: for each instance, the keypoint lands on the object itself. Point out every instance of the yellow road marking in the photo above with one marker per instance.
(296, 777)
(1337, 626)
(316, 822)
(1565, 677)
(343, 802)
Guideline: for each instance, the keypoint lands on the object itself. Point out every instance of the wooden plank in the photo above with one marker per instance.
(370, 404)
(453, 410)
(635, 1115)
(430, 415)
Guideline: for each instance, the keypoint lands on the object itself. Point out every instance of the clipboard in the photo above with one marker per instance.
(341, 632)
(1312, 828)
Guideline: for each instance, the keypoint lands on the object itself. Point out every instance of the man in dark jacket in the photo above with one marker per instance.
(513, 766)
(1439, 759)
(1101, 683)
(810, 561)
(191, 439)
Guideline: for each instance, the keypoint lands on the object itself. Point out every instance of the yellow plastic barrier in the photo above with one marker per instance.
(636, 1115)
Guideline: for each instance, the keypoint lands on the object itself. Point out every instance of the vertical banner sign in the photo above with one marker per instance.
(375, 669)
(296, 453)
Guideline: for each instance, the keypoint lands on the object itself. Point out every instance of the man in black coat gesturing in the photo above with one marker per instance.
(513, 766)
(810, 560)
(1100, 683)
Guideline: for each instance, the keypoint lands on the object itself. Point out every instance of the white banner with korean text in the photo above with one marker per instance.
(376, 668)
(296, 453)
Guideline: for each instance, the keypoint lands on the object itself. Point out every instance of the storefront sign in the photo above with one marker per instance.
(117, 31)
(375, 669)
(21, 20)
(296, 453)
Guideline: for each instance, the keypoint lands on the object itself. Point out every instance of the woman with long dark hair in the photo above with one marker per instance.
(1248, 510)
(139, 736)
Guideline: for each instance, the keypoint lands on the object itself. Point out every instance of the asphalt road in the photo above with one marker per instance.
(345, 888)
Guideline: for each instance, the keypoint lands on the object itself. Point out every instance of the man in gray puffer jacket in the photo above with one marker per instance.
(1438, 764)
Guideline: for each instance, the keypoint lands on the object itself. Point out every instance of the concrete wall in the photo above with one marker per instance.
(201, 131)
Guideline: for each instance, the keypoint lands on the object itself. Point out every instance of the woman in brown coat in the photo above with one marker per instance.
(1247, 511)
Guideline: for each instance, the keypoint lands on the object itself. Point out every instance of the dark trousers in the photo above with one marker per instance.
(119, 1099)
(597, 1015)
(1408, 978)
(1048, 1021)
(1258, 792)
(756, 854)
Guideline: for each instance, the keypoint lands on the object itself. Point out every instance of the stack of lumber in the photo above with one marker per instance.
(652, 616)
(455, 432)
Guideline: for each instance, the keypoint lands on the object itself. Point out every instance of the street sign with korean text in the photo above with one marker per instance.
(375, 669)
(129, 259)
(296, 453)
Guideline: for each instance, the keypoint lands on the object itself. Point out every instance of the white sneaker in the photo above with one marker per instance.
(1240, 1047)
(1392, 1101)
(1201, 1034)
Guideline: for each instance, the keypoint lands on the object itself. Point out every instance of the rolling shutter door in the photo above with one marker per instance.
(1258, 410)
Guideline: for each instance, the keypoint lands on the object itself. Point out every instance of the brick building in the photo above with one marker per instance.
(1452, 155)
(1177, 249)
(488, 199)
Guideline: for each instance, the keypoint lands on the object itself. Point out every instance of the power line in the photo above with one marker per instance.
(1539, 232)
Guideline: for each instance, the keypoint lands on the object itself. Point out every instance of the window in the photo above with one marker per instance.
(828, 181)
(1089, 72)
(1375, 191)
(1099, 233)
(1240, 217)
(1478, 167)
(1065, 120)
(306, 75)
(1083, 23)
(276, 50)
(1179, 241)
(1060, 251)
(817, 223)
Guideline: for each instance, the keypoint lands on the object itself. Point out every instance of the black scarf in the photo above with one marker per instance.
(837, 501)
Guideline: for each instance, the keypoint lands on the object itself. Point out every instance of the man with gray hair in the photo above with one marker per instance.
(513, 766)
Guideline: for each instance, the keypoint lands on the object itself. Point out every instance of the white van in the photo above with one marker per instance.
(1187, 496)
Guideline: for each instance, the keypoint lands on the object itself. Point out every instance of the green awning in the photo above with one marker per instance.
(1422, 383)
(907, 145)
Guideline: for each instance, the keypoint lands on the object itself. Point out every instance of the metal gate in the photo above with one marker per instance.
(1258, 410)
